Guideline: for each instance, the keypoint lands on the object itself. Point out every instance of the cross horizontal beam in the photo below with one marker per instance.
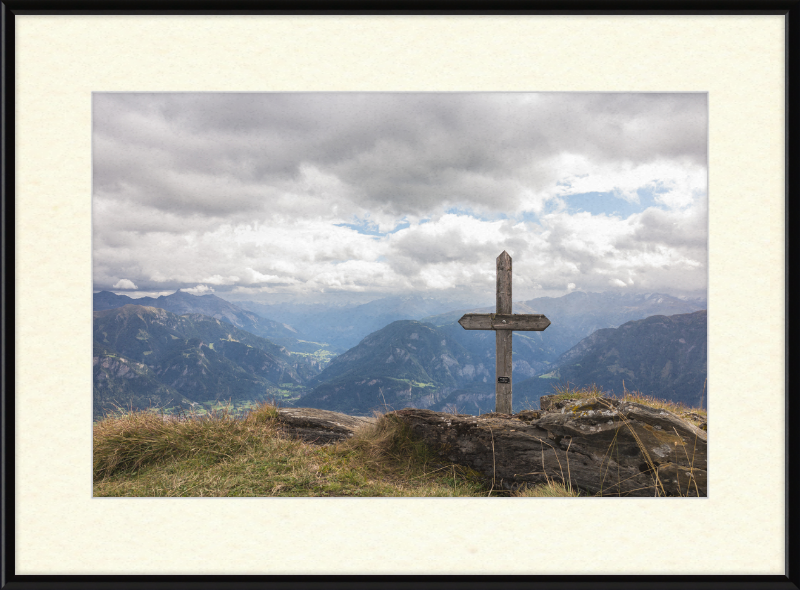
(497, 321)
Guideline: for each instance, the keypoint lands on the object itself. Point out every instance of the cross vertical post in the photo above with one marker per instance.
(503, 338)
(503, 322)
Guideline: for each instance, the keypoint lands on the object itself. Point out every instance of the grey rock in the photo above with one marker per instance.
(601, 446)
(545, 401)
(319, 426)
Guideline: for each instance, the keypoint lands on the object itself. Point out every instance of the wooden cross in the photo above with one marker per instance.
(504, 323)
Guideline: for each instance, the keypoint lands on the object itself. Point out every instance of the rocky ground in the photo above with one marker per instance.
(601, 446)
(319, 426)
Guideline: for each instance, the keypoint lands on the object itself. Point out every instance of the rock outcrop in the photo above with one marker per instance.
(601, 446)
(319, 426)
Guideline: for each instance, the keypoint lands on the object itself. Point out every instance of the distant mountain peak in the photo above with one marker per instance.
(144, 353)
(661, 355)
(404, 363)
(129, 309)
(182, 303)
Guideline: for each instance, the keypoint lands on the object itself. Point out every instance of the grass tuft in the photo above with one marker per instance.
(128, 441)
(688, 413)
(144, 454)
(552, 489)
(389, 438)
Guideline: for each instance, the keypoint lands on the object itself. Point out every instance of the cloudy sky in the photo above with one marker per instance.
(263, 195)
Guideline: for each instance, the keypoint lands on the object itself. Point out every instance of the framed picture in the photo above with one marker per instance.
(73, 70)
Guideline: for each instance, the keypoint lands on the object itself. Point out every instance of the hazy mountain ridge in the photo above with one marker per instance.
(344, 326)
(121, 382)
(182, 303)
(662, 356)
(406, 364)
(573, 317)
(402, 366)
(436, 365)
(589, 312)
(178, 360)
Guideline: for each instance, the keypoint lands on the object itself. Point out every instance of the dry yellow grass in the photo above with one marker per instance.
(690, 414)
(130, 441)
(552, 489)
(695, 416)
(143, 454)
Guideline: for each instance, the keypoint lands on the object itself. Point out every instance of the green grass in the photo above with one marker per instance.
(411, 382)
(286, 395)
(322, 355)
(550, 375)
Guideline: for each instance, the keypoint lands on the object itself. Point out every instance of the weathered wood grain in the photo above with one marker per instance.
(504, 323)
(504, 283)
(503, 337)
(503, 369)
(492, 321)
(523, 322)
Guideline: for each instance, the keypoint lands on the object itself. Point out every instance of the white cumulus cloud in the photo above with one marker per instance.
(399, 193)
(124, 284)
(199, 290)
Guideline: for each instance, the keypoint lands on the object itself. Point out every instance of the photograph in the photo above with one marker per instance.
(400, 294)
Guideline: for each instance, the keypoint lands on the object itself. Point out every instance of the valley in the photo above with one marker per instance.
(189, 361)
(149, 357)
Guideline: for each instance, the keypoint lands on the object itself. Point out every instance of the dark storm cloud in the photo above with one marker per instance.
(400, 153)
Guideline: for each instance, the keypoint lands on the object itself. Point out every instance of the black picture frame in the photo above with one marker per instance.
(12, 8)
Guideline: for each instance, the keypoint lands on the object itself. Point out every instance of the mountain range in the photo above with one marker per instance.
(412, 364)
(660, 356)
(405, 364)
(573, 317)
(343, 327)
(182, 349)
(147, 356)
(181, 303)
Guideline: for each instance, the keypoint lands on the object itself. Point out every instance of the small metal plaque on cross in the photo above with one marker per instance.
(504, 323)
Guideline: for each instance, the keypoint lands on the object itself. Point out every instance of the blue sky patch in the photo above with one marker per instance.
(362, 227)
(402, 225)
(368, 228)
(608, 203)
(471, 213)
